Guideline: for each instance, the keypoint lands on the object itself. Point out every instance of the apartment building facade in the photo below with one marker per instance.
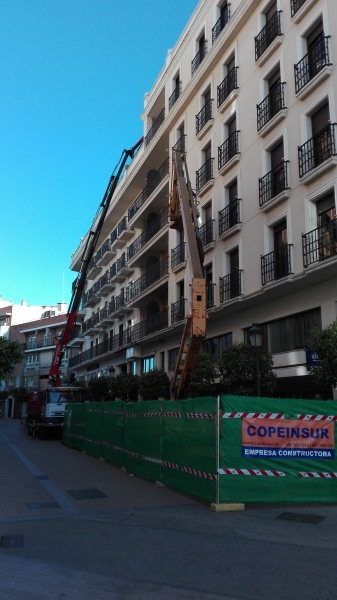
(248, 93)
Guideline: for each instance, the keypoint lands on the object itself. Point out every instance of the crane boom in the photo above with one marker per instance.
(182, 202)
(89, 249)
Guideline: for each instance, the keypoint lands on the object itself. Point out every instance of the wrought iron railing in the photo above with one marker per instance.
(199, 57)
(276, 264)
(178, 311)
(156, 225)
(317, 150)
(147, 191)
(270, 106)
(229, 84)
(221, 23)
(156, 125)
(312, 63)
(177, 255)
(104, 280)
(206, 233)
(228, 149)
(204, 174)
(229, 216)
(120, 301)
(204, 115)
(267, 35)
(128, 337)
(46, 341)
(175, 95)
(273, 183)
(121, 263)
(88, 296)
(320, 244)
(210, 295)
(295, 6)
(180, 144)
(154, 274)
(231, 286)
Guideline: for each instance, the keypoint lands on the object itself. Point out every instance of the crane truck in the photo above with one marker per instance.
(183, 206)
(45, 411)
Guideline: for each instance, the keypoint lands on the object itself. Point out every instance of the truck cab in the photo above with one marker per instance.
(55, 399)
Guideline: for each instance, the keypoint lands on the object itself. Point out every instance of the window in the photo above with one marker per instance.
(321, 145)
(30, 382)
(317, 56)
(205, 173)
(172, 358)
(230, 147)
(229, 82)
(270, 31)
(133, 367)
(148, 364)
(205, 114)
(31, 343)
(32, 359)
(215, 346)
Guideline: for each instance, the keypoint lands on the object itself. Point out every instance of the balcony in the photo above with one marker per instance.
(204, 120)
(271, 110)
(91, 325)
(129, 336)
(106, 313)
(317, 153)
(120, 304)
(105, 254)
(153, 275)
(313, 67)
(273, 187)
(221, 23)
(180, 144)
(156, 125)
(178, 311)
(229, 217)
(151, 230)
(178, 257)
(204, 176)
(44, 343)
(299, 8)
(121, 234)
(149, 189)
(206, 234)
(94, 269)
(120, 270)
(227, 88)
(270, 32)
(276, 264)
(105, 285)
(210, 295)
(175, 95)
(295, 6)
(228, 152)
(89, 298)
(199, 57)
(320, 244)
(231, 286)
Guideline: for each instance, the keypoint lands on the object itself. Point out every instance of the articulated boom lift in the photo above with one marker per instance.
(183, 203)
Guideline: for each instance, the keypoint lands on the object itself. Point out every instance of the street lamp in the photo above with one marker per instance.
(111, 371)
(255, 334)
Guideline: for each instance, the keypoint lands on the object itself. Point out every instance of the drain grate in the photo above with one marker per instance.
(301, 518)
(42, 477)
(11, 541)
(92, 494)
(37, 505)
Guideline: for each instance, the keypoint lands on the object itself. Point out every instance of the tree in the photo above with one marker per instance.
(154, 384)
(11, 353)
(101, 389)
(126, 387)
(237, 366)
(324, 345)
(204, 375)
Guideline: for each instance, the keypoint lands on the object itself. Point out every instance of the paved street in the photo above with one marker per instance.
(140, 541)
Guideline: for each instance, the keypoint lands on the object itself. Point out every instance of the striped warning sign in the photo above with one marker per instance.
(246, 415)
(258, 472)
(321, 475)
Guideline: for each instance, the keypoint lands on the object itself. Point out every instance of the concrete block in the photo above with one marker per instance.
(227, 506)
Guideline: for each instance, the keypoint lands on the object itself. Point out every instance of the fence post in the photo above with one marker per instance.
(217, 456)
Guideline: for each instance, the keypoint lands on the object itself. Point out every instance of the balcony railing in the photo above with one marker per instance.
(228, 149)
(46, 341)
(120, 301)
(175, 95)
(270, 106)
(178, 255)
(156, 225)
(320, 244)
(312, 63)
(204, 174)
(295, 6)
(157, 123)
(128, 337)
(104, 280)
(178, 311)
(317, 150)
(231, 286)
(206, 233)
(229, 84)
(180, 144)
(199, 57)
(88, 296)
(120, 263)
(268, 34)
(210, 295)
(151, 186)
(221, 23)
(229, 216)
(145, 281)
(276, 264)
(204, 115)
(273, 183)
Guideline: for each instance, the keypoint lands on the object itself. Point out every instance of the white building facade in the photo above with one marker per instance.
(249, 93)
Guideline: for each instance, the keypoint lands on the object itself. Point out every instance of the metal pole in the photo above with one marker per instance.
(217, 457)
(257, 372)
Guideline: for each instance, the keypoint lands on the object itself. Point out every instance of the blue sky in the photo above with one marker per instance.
(73, 78)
